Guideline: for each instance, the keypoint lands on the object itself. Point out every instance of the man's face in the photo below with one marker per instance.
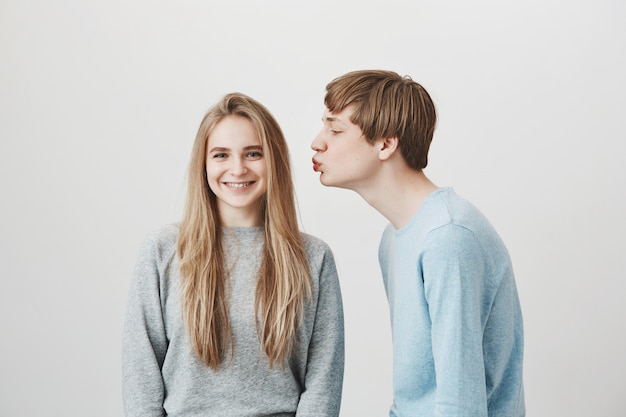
(343, 157)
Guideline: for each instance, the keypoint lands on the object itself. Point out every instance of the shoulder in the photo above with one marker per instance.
(461, 211)
(471, 248)
(318, 252)
(156, 256)
(456, 233)
(161, 243)
(450, 237)
(321, 263)
(314, 244)
(164, 236)
(467, 225)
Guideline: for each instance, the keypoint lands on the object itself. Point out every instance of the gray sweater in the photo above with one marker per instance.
(162, 375)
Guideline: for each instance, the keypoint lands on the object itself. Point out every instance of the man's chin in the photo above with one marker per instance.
(327, 182)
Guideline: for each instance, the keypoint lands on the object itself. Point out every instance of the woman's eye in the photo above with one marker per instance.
(254, 155)
(335, 132)
(219, 155)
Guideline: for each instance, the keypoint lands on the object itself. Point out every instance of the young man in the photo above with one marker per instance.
(455, 312)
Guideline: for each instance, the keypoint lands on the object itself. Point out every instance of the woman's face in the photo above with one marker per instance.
(236, 172)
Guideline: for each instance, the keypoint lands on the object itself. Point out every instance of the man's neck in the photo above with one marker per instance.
(398, 194)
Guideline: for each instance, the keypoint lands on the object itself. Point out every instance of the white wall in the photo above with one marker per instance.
(100, 101)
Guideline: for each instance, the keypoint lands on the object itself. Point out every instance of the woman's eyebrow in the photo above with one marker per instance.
(245, 148)
(219, 149)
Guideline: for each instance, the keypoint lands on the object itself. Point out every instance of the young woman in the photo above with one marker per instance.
(234, 311)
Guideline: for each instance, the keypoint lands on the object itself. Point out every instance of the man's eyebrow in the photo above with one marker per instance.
(331, 119)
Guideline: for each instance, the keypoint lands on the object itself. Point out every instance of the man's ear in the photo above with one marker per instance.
(387, 147)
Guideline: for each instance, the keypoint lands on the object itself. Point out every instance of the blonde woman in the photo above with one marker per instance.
(234, 311)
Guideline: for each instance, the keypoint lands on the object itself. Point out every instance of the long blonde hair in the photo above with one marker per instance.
(283, 283)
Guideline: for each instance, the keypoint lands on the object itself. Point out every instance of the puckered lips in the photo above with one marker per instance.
(316, 165)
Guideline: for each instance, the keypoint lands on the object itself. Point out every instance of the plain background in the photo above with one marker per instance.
(99, 106)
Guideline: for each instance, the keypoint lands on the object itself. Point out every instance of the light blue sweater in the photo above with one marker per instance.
(455, 314)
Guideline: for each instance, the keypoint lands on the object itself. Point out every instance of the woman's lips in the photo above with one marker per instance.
(238, 185)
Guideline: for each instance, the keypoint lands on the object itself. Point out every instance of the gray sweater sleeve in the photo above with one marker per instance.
(144, 341)
(322, 390)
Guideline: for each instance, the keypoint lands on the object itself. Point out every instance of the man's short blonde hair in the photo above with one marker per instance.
(387, 105)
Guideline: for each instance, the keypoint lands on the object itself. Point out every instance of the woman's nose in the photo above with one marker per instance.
(238, 167)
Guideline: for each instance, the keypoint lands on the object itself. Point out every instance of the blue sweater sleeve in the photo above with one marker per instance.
(454, 271)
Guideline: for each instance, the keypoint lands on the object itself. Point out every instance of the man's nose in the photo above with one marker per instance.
(319, 144)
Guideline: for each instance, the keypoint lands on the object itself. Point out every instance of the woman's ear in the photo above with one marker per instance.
(387, 147)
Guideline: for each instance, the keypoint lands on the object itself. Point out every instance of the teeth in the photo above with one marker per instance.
(237, 185)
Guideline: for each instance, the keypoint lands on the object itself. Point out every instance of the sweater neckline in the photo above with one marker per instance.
(422, 208)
